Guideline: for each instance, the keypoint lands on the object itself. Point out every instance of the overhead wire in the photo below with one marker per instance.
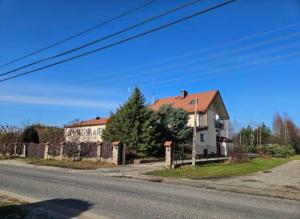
(217, 6)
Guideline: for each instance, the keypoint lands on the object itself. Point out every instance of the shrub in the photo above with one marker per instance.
(278, 151)
(238, 155)
(30, 135)
(252, 149)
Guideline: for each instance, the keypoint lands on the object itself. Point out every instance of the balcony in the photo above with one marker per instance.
(219, 125)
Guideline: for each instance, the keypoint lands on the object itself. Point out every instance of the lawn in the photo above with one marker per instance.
(10, 208)
(81, 165)
(218, 170)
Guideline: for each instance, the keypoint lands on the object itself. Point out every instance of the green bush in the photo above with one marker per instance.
(251, 149)
(276, 150)
(30, 135)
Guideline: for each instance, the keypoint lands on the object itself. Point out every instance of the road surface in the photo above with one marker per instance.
(110, 197)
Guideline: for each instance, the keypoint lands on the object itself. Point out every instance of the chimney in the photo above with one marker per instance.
(183, 94)
(98, 117)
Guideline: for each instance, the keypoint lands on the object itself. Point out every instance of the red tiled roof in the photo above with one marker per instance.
(204, 101)
(90, 122)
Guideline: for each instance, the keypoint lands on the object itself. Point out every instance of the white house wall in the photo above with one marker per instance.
(210, 141)
(87, 133)
(201, 120)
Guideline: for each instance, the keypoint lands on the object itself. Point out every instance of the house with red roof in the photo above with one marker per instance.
(85, 131)
(207, 112)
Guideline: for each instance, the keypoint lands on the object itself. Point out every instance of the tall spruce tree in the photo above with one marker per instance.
(174, 124)
(152, 143)
(134, 124)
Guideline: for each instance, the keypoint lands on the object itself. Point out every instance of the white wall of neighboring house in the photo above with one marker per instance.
(226, 147)
(201, 120)
(84, 134)
(207, 137)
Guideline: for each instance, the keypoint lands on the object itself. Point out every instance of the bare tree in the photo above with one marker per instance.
(9, 136)
(74, 133)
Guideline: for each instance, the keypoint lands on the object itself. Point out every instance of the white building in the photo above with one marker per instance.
(85, 131)
(211, 120)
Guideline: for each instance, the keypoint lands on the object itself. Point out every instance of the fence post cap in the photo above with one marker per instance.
(115, 143)
(168, 143)
(99, 142)
(47, 143)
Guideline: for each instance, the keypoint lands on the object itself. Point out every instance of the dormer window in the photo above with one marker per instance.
(193, 102)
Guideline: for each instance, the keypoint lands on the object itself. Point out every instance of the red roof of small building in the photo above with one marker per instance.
(187, 102)
(90, 122)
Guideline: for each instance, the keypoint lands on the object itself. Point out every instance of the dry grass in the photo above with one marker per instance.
(80, 165)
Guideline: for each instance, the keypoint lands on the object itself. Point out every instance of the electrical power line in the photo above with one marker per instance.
(102, 38)
(218, 70)
(207, 59)
(152, 65)
(126, 39)
(79, 33)
(257, 62)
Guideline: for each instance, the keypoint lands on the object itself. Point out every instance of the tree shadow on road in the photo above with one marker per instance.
(53, 208)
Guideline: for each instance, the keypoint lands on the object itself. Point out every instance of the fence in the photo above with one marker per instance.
(110, 152)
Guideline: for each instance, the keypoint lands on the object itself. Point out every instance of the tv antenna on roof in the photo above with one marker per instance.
(153, 91)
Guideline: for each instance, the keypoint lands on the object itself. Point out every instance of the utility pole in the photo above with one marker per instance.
(260, 136)
(257, 137)
(194, 134)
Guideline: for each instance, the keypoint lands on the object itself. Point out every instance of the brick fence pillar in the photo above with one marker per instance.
(169, 158)
(115, 152)
(15, 149)
(79, 151)
(98, 155)
(124, 154)
(61, 152)
(46, 152)
(5, 150)
(24, 151)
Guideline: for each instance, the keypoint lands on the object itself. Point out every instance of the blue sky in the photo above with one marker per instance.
(249, 50)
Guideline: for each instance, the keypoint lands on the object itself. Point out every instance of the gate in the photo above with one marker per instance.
(106, 150)
(180, 153)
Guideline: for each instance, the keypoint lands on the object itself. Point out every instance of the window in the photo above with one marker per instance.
(88, 132)
(192, 102)
(99, 131)
(202, 137)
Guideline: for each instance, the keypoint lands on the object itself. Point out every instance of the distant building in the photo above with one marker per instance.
(211, 120)
(85, 131)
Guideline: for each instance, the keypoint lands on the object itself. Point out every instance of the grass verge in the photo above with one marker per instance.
(80, 165)
(218, 170)
(11, 208)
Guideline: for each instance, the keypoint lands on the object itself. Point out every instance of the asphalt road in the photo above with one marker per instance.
(125, 198)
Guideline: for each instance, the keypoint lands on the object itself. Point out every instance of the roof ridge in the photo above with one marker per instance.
(189, 94)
